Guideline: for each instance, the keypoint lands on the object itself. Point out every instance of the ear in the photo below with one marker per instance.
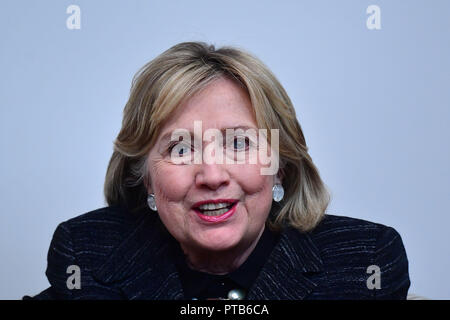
(147, 184)
(278, 178)
(281, 172)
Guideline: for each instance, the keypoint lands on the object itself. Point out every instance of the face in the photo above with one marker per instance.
(180, 188)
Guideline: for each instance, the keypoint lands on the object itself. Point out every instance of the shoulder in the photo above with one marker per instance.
(98, 231)
(334, 227)
(340, 236)
(86, 242)
(352, 249)
(343, 222)
(105, 215)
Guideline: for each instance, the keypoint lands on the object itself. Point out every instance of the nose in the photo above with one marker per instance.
(212, 176)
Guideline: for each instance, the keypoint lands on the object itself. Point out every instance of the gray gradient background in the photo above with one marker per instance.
(374, 107)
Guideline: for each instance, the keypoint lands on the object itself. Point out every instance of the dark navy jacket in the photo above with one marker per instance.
(124, 255)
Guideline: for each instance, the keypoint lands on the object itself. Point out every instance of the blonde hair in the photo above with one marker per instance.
(165, 82)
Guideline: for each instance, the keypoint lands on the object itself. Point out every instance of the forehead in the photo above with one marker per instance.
(221, 104)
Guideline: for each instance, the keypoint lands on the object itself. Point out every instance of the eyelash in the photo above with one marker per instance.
(247, 141)
(173, 145)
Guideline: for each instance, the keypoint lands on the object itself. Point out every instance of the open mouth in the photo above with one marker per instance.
(215, 209)
(212, 209)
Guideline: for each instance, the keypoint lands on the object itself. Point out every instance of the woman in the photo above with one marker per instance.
(192, 215)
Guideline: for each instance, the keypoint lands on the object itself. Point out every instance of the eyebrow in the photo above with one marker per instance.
(167, 136)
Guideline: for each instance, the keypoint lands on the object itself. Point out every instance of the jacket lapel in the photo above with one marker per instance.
(142, 266)
(285, 275)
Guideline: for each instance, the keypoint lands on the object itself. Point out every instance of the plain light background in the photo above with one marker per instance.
(374, 106)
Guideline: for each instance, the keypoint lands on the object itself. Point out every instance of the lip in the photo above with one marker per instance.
(198, 204)
(216, 219)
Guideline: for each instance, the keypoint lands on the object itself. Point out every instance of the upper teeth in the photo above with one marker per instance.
(214, 206)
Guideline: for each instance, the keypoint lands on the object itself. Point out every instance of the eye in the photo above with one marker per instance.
(241, 143)
(179, 149)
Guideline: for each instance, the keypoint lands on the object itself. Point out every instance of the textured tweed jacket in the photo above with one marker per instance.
(124, 255)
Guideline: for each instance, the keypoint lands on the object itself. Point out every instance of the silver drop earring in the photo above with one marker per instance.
(277, 192)
(151, 201)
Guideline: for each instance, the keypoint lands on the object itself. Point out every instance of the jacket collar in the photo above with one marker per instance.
(142, 266)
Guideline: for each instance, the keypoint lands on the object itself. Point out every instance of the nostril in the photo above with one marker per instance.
(212, 180)
(213, 186)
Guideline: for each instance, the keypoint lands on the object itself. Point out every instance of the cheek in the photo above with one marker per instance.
(257, 189)
(251, 181)
(170, 182)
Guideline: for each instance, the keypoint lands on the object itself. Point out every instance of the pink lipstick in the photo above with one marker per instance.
(201, 213)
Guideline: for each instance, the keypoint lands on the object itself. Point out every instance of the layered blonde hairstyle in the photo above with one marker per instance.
(161, 85)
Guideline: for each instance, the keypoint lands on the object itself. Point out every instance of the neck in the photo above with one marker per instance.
(220, 262)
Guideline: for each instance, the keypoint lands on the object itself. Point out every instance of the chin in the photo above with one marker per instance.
(219, 240)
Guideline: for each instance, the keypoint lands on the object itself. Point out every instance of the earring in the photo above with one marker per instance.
(151, 201)
(277, 192)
